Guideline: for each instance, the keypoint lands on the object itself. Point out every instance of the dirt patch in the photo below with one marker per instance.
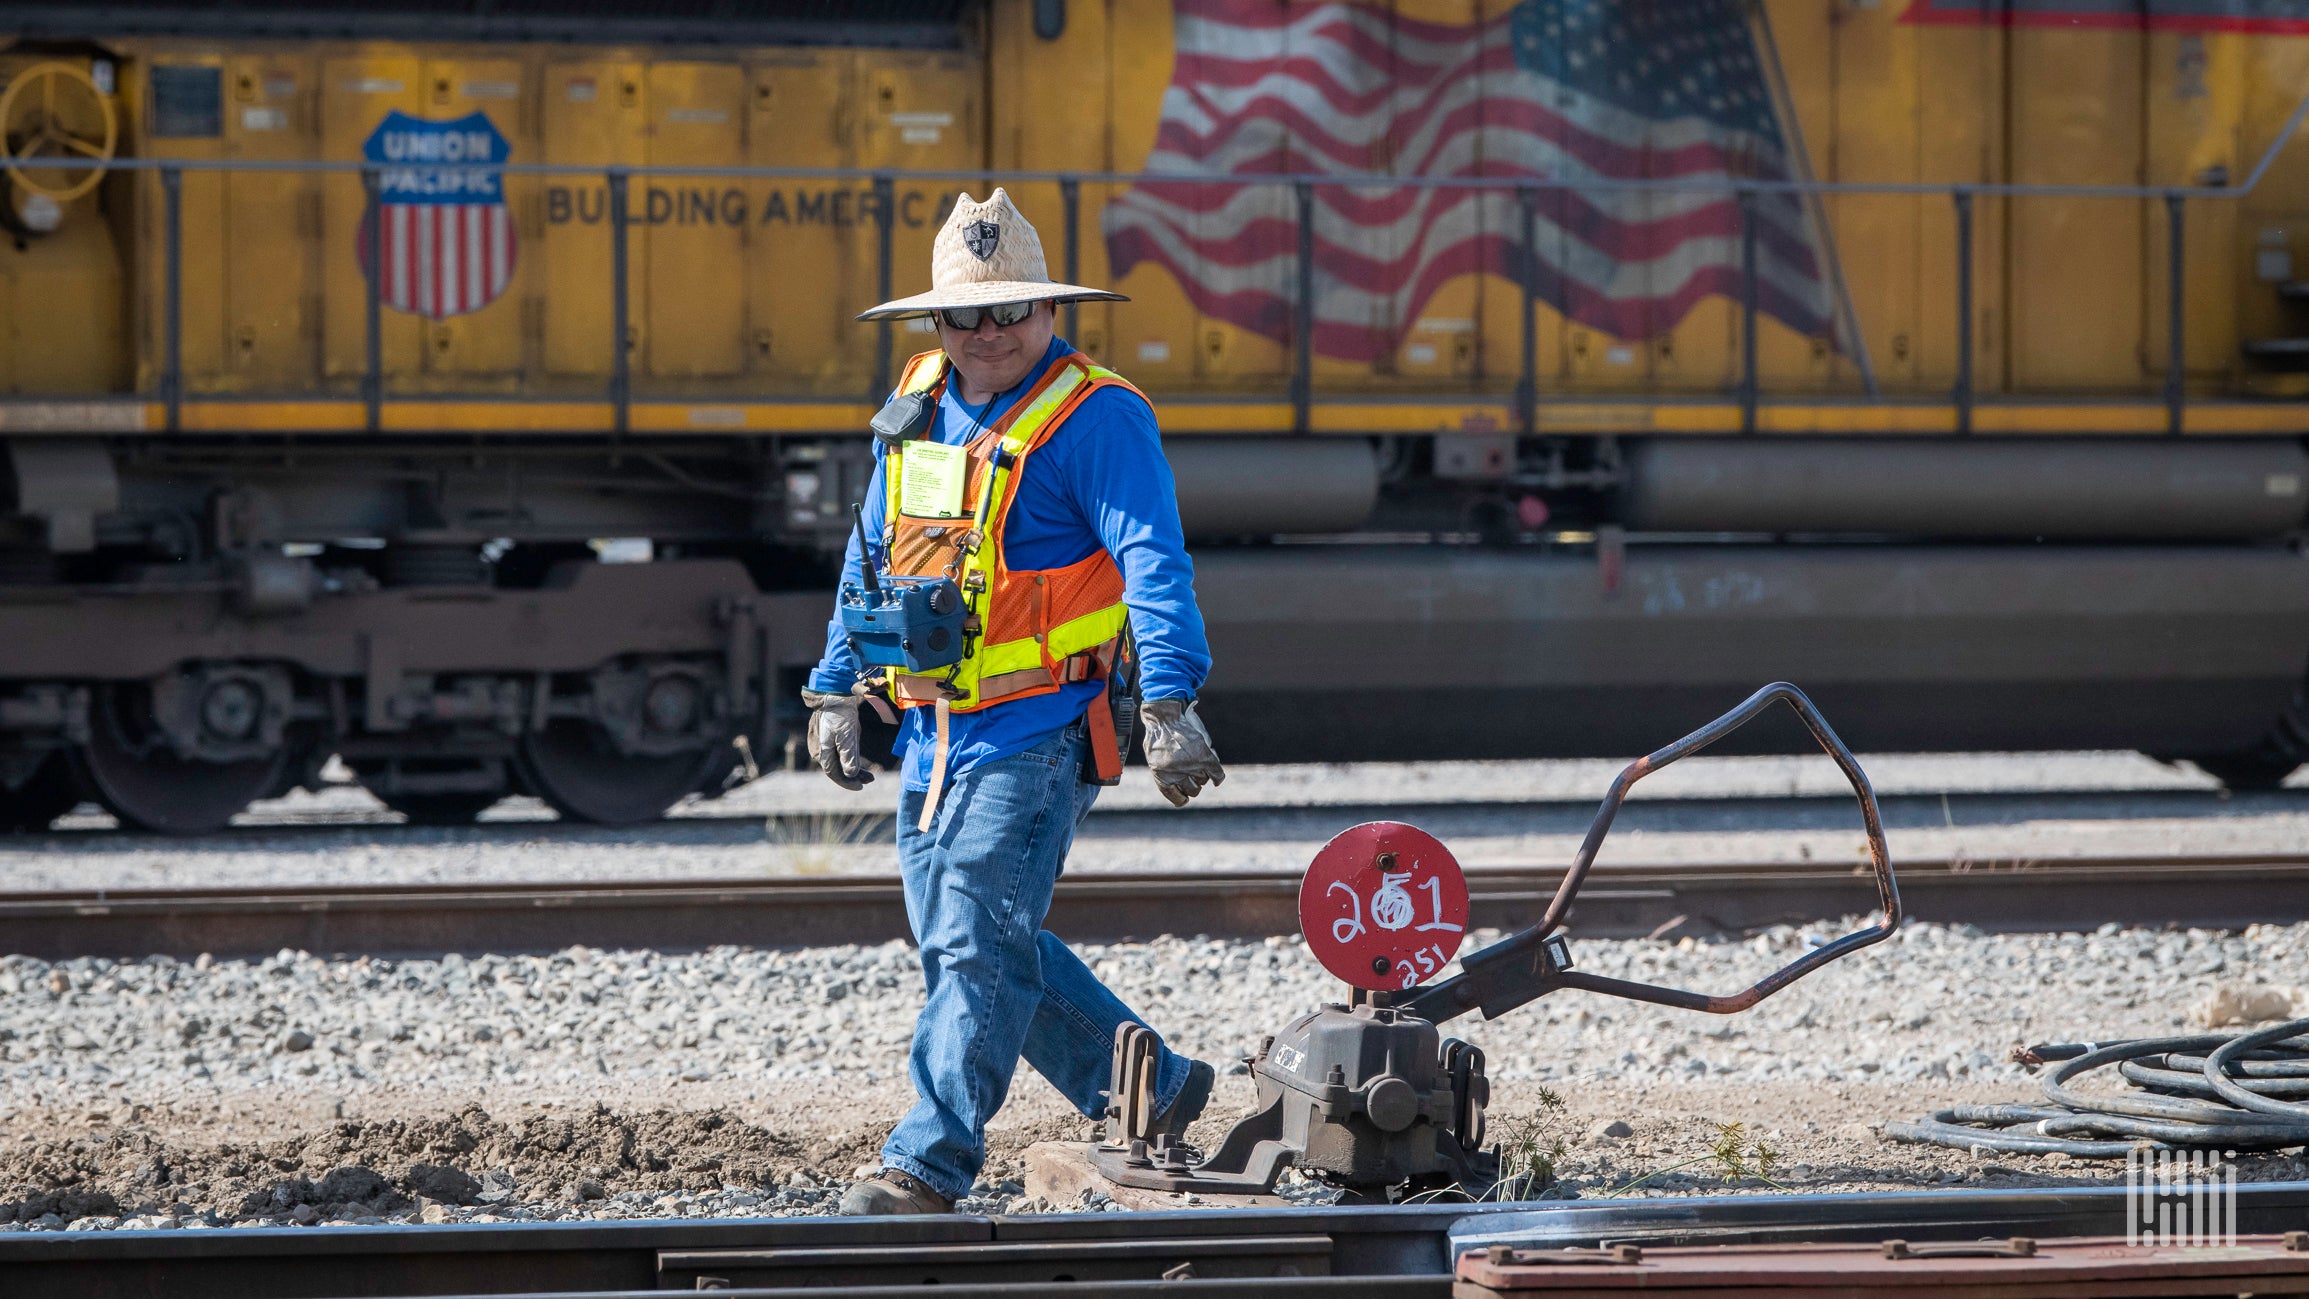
(388, 1166)
(380, 1166)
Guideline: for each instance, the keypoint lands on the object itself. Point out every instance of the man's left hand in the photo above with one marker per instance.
(1178, 750)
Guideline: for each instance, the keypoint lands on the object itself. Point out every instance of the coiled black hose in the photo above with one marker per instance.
(2216, 1091)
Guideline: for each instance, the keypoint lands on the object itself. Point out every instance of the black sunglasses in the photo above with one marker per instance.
(1004, 316)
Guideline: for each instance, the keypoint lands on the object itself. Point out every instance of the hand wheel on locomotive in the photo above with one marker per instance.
(53, 118)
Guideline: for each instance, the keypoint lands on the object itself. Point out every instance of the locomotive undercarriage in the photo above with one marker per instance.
(181, 749)
(192, 629)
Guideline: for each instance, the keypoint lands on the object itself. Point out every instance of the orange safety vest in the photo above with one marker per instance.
(1026, 632)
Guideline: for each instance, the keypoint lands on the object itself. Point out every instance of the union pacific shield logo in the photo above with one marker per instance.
(448, 240)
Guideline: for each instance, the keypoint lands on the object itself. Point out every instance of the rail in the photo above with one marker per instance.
(1300, 390)
(1335, 1252)
(1623, 901)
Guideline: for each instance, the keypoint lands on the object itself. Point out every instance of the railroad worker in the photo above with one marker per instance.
(1054, 510)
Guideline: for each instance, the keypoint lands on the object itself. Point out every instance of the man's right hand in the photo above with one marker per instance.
(833, 739)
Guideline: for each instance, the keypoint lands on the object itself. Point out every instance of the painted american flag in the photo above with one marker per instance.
(1566, 89)
(448, 239)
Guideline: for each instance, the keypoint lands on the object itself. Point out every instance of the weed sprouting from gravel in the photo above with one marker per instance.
(1531, 1147)
(812, 844)
(1739, 1159)
(1735, 1156)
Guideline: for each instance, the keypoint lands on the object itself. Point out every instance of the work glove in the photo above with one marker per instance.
(833, 739)
(1178, 750)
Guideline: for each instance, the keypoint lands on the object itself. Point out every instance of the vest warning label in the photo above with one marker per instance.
(930, 480)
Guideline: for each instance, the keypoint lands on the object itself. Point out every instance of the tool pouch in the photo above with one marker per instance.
(1112, 732)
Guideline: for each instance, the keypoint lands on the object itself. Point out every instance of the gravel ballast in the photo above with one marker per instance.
(634, 1084)
(2001, 807)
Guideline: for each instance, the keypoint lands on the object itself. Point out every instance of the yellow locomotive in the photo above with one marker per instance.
(1539, 373)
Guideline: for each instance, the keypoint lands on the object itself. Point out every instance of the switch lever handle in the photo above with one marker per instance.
(1527, 965)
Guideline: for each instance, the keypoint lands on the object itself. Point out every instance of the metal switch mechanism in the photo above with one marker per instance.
(1371, 1096)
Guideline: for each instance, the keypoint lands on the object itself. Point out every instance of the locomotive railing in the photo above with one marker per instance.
(1300, 389)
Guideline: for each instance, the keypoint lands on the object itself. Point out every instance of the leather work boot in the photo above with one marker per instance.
(1194, 1094)
(890, 1192)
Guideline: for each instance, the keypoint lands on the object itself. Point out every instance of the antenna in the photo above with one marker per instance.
(865, 549)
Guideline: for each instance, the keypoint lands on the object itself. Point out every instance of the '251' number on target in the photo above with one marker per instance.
(1393, 908)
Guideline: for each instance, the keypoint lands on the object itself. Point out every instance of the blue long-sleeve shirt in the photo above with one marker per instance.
(1100, 482)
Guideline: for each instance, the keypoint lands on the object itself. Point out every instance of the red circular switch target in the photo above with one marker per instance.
(1383, 906)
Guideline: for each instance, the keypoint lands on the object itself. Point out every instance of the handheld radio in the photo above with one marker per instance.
(913, 623)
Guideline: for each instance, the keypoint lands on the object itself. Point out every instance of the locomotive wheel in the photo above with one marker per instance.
(49, 792)
(129, 768)
(580, 774)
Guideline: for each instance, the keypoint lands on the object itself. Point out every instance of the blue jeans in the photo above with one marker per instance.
(977, 888)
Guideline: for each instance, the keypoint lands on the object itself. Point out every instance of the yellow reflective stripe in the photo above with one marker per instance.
(976, 561)
(1023, 429)
(922, 372)
(1009, 656)
(1069, 638)
(997, 478)
(1089, 631)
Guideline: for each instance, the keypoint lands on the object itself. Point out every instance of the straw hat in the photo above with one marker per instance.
(986, 254)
